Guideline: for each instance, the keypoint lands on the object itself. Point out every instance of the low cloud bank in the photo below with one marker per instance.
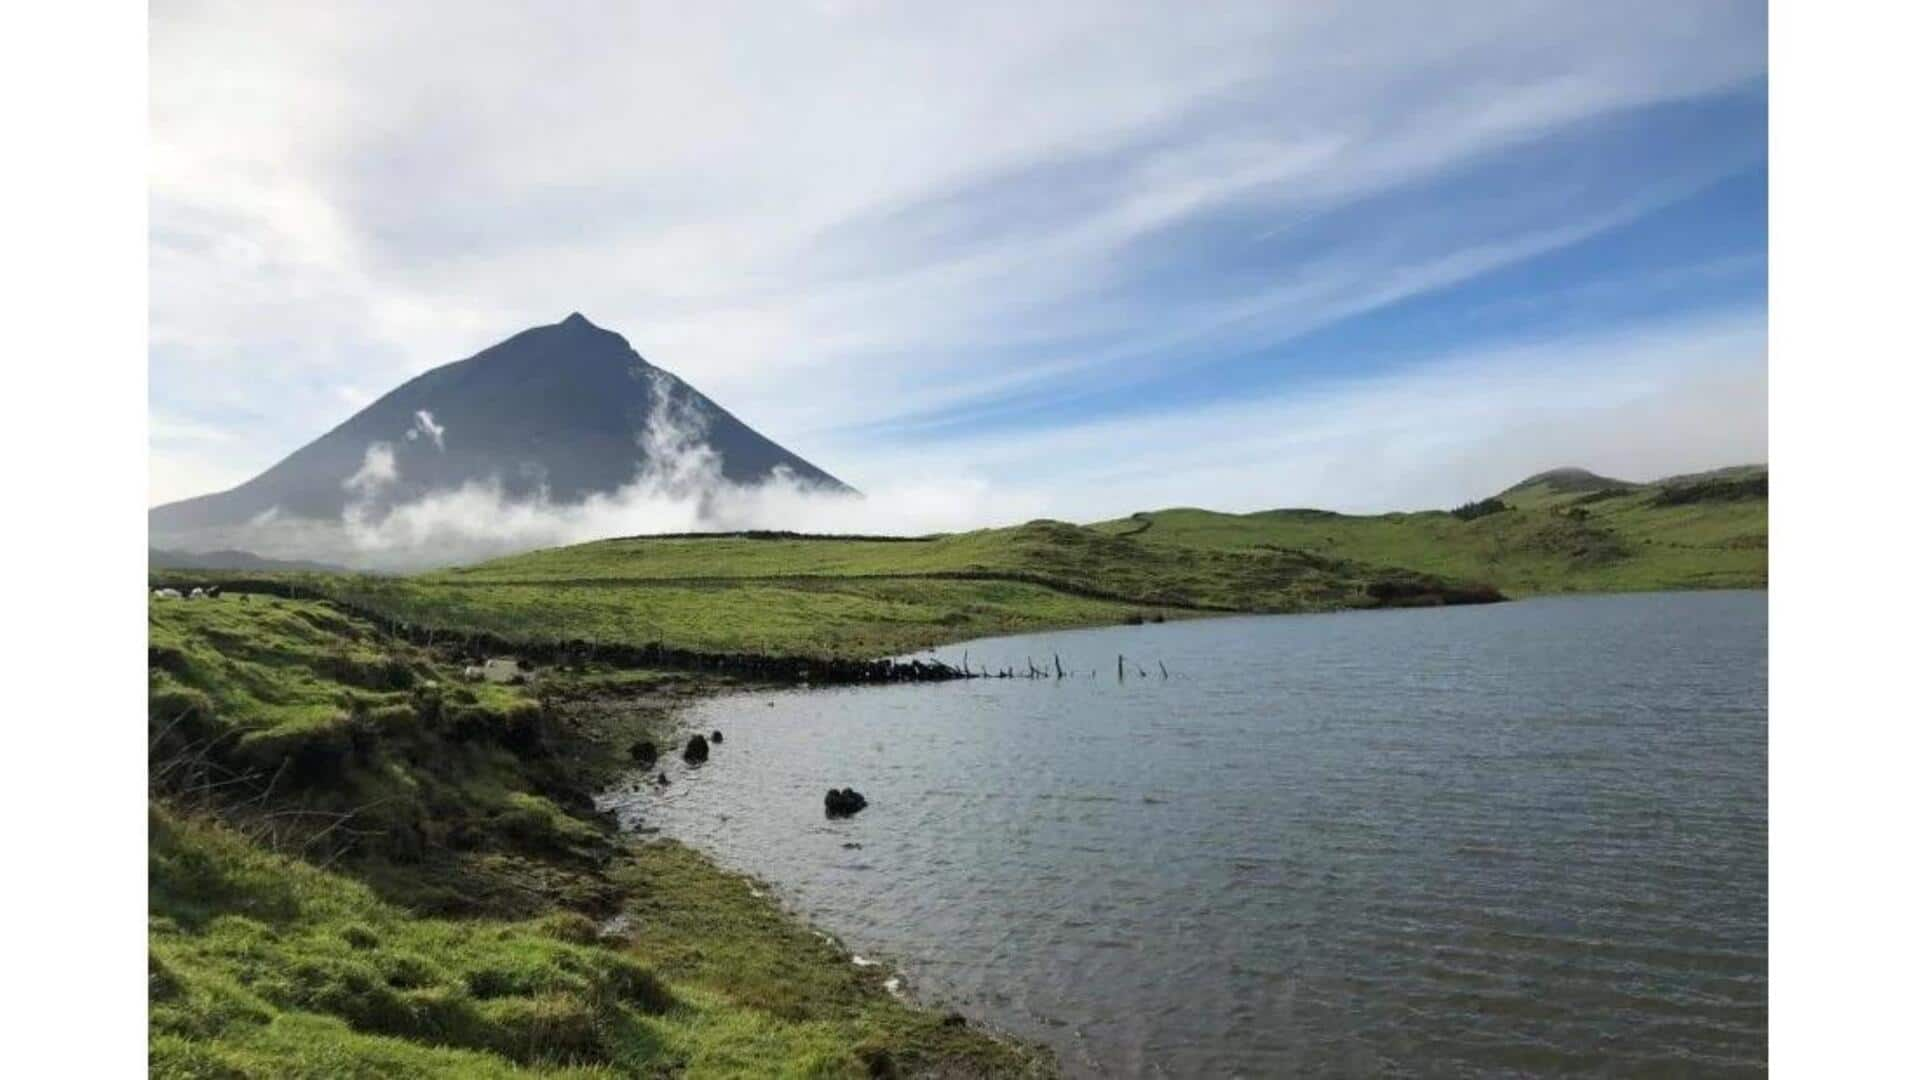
(480, 521)
(677, 486)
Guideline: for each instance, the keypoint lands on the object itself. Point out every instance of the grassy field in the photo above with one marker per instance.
(1562, 532)
(855, 598)
(361, 866)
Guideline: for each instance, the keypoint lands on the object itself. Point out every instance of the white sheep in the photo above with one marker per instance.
(198, 593)
(166, 594)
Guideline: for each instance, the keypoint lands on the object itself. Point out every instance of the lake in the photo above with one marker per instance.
(1520, 838)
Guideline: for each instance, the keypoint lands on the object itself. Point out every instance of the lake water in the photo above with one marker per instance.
(1522, 838)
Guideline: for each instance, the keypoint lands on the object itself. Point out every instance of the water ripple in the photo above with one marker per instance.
(1510, 840)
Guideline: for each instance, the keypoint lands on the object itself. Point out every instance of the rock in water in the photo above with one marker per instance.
(842, 803)
(716, 737)
(696, 751)
(644, 752)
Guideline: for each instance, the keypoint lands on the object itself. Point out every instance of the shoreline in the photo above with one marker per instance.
(874, 965)
(479, 915)
(754, 847)
(478, 809)
(873, 971)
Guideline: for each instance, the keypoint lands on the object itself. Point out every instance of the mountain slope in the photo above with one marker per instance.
(231, 560)
(569, 409)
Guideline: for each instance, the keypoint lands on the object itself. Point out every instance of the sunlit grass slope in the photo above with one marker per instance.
(785, 595)
(1564, 532)
(853, 597)
(359, 866)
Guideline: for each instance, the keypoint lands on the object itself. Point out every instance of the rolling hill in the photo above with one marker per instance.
(1565, 530)
(792, 595)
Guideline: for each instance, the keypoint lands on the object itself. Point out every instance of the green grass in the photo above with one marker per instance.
(359, 866)
(1051, 554)
(710, 931)
(812, 618)
(849, 598)
(353, 743)
(262, 965)
(1581, 538)
(1563, 531)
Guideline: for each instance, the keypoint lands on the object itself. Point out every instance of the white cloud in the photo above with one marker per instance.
(678, 486)
(820, 215)
(377, 471)
(1655, 401)
(423, 425)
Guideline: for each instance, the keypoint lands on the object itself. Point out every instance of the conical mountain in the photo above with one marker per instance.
(569, 409)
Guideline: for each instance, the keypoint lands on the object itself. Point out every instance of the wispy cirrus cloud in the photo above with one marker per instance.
(866, 229)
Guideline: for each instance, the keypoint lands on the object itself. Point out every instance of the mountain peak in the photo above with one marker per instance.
(559, 412)
(1568, 479)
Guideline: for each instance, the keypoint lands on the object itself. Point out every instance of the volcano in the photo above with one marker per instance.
(559, 413)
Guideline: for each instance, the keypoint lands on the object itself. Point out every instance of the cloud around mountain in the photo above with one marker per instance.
(557, 434)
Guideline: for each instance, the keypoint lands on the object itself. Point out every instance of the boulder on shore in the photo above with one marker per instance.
(716, 737)
(696, 751)
(644, 752)
(842, 803)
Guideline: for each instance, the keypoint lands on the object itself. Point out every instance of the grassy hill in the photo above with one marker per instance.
(824, 596)
(1567, 530)
(360, 865)
(788, 595)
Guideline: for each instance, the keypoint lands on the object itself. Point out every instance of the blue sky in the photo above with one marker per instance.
(1075, 259)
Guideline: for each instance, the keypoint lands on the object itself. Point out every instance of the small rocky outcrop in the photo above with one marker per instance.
(716, 737)
(696, 751)
(644, 753)
(842, 803)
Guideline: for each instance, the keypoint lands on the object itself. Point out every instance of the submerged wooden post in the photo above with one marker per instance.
(1120, 667)
(1163, 669)
(1058, 671)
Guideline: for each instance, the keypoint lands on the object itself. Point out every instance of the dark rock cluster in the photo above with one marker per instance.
(696, 751)
(842, 803)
